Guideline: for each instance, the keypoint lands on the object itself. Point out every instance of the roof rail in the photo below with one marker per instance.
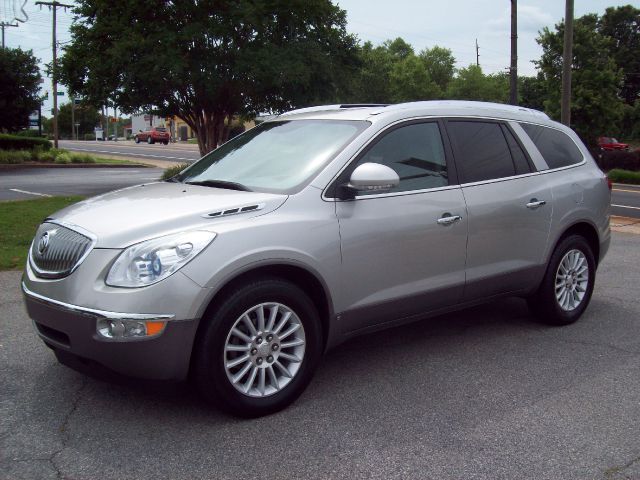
(363, 105)
(325, 108)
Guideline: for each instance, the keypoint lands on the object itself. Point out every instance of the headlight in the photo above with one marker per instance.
(149, 262)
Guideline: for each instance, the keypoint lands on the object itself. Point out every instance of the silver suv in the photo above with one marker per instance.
(319, 225)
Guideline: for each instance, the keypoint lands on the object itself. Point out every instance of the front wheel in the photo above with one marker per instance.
(165, 142)
(566, 289)
(150, 140)
(136, 139)
(259, 349)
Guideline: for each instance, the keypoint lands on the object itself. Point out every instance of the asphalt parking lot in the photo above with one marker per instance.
(481, 394)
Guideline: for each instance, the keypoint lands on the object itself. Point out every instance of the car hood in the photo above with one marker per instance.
(131, 215)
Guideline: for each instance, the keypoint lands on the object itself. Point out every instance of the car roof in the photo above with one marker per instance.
(439, 108)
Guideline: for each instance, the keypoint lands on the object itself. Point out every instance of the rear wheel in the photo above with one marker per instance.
(165, 142)
(566, 289)
(259, 349)
(136, 139)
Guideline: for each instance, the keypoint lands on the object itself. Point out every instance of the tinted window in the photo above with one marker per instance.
(556, 147)
(481, 150)
(519, 158)
(415, 152)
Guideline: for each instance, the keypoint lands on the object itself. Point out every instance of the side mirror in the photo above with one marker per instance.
(369, 177)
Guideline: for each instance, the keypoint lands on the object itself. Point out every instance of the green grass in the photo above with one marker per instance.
(174, 170)
(618, 175)
(193, 141)
(116, 161)
(18, 223)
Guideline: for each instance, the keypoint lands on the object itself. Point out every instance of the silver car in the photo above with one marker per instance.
(319, 225)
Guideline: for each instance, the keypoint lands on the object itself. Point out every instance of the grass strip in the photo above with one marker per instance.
(19, 220)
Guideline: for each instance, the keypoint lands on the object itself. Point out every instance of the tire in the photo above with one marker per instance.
(165, 142)
(136, 139)
(573, 294)
(150, 141)
(212, 369)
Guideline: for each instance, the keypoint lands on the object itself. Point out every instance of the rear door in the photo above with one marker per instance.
(509, 208)
(403, 252)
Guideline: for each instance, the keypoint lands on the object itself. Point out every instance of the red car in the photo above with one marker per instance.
(153, 135)
(608, 144)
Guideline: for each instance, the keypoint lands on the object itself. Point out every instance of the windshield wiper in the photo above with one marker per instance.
(221, 184)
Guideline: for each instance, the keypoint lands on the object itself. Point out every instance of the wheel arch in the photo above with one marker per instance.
(586, 230)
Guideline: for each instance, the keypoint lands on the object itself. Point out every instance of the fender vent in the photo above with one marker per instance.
(234, 211)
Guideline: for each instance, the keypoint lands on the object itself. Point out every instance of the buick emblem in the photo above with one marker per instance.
(43, 243)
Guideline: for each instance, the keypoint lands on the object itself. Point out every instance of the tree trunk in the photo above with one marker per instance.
(209, 127)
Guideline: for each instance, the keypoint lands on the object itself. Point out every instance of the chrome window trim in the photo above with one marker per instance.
(94, 312)
(71, 226)
(449, 187)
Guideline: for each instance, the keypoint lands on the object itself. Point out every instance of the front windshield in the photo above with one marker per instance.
(275, 156)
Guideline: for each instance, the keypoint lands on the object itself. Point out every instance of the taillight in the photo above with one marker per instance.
(609, 183)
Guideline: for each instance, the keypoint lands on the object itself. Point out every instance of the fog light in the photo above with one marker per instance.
(123, 329)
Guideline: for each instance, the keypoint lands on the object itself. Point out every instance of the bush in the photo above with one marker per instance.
(15, 142)
(63, 158)
(82, 158)
(46, 157)
(14, 156)
(624, 176)
(173, 171)
(28, 134)
(89, 136)
(622, 160)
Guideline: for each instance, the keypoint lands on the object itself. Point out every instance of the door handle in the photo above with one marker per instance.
(448, 219)
(535, 203)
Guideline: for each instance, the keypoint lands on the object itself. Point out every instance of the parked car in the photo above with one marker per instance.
(314, 227)
(153, 135)
(608, 144)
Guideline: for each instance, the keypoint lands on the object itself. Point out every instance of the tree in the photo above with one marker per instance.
(472, 84)
(410, 81)
(87, 116)
(532, 92)
(210, 60)
(595, 105)
(440, 63)
(19, 85)
(622, 26)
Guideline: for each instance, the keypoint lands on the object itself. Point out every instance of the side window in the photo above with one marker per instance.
(481, 150)
(415, 152)
(556, 147)
(519, 158)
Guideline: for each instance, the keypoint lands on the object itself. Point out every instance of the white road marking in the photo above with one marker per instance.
(121, 153)
(30, 193)
(625, 206)
(630, 191)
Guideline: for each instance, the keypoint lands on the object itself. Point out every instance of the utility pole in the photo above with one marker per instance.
(5, 25)
(477, 53)
(73, 118)
(513, 71)
(567, 60)
(54, 7)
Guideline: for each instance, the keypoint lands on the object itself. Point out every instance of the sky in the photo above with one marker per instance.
(454, 24)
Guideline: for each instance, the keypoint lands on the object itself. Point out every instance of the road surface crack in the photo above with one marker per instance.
(613, 472)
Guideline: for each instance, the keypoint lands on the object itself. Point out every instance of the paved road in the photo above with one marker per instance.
(173, 152)
(35, 182)
(481, 394)
(625, 200)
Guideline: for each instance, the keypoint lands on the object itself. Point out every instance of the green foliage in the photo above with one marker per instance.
(440, 63)
(82, 158)
(14, 156)
(410, 81)
(19, 86)
(18, 223)
(595, 107)
(46, 157)
(89, 136)
(472, 84)
(173, 171)
(63, 158)
(622, 26)
(624, 176)
(27, 133)
(15, 142)
(208, 61)
(619, 159)
(87, 116)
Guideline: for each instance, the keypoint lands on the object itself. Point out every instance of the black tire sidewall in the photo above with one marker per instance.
(210, 373)
(550, 311)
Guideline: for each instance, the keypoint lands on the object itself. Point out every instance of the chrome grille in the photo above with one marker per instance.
(57, 250)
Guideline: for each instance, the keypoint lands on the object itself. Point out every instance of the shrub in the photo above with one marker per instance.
(174, 170)
(82, 158)
(622, 160)
(15, 142)
(624, 176)
(46, 157)
(89, 136)
(63, 158)
(14, 156)
(28, 134)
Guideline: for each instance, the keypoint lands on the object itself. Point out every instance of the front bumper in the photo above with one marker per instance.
(72, 329)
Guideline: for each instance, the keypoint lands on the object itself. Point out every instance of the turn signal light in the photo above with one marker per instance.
(125, 329)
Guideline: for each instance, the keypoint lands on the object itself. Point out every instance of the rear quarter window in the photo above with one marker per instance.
(556, 147)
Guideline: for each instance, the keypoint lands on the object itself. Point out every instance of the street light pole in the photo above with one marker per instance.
(567, 59)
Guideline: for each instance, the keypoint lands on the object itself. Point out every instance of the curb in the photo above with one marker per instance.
(20, 166)
(625, 224)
